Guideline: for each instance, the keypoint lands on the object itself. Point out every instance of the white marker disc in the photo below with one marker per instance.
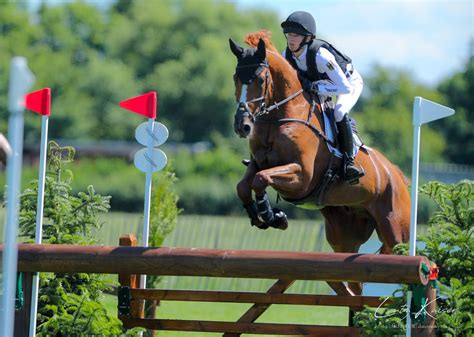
(142, 160)
(159, 135)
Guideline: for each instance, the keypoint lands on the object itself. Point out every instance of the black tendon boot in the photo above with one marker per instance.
(351, 172)
(272, 217)
(265, 212)
(252, 212)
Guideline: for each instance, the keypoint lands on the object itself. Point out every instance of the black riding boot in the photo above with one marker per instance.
(351, 172)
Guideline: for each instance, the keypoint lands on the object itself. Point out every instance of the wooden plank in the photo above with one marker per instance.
(252, 297)
(237, 327)
(333, 267)
(341, 288)
(257, 309)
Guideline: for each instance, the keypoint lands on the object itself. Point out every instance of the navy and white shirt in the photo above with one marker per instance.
(338, 83)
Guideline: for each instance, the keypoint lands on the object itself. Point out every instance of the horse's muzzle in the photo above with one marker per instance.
(243, 122)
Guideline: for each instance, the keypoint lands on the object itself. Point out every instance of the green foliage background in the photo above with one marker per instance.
(93, 58)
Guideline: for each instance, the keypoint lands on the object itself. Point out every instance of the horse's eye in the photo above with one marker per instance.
(260, 80)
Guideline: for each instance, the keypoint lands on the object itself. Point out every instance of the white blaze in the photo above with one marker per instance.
(243, 94)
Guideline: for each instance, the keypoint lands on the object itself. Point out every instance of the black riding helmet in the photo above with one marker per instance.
(301, 23)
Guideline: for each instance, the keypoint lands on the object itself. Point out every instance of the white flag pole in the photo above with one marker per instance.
(21, 80)
(424, 111)
(39, 219)
(414, 202)
(148, 183)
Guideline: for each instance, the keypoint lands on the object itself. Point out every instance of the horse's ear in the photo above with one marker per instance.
(261, 50)
(236, 49)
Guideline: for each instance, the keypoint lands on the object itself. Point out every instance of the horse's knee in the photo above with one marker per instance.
(260, 183)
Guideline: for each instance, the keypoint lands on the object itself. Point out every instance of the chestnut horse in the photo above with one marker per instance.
(289, 153)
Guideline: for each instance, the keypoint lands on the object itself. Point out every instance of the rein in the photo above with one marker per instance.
(263, 110)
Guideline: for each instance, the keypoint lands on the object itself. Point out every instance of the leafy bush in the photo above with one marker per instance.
(69, 304)
(448, 243)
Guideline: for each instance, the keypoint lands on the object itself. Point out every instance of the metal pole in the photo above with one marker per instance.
(148, 183)
(39, 219)
(21, 80)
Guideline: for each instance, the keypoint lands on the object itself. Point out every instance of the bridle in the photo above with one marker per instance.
(262, 109)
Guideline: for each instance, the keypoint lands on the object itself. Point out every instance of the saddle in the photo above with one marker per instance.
(315, 199)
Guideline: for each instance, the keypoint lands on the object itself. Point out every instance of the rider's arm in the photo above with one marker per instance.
(337, 83)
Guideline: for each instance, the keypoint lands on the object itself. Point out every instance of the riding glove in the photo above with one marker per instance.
(308, 85)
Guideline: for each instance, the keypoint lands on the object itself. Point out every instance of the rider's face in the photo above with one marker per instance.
(294, 41)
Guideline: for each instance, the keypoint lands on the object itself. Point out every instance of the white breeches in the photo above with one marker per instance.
(345, 102)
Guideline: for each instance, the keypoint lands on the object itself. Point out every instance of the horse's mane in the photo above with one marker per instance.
(252, 40)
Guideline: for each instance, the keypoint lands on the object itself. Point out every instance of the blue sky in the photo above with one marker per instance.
(429, 38)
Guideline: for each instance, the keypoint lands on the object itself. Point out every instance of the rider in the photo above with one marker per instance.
(325, 71)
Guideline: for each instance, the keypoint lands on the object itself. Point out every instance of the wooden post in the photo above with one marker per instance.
(22, 316)
(131, 281)
(428, 327)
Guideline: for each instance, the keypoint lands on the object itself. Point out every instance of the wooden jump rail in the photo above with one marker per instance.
(129, 261)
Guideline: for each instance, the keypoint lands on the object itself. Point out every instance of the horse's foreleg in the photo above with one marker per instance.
(244, 191)
(286, 178)
(283, 178)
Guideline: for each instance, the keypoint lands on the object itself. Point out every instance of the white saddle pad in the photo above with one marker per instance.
(328, 130)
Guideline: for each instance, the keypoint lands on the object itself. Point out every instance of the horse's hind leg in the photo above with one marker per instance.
(346, 230)
(392, 214)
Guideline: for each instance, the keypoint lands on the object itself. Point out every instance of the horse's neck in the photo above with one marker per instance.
(286, 85)
(297, 107)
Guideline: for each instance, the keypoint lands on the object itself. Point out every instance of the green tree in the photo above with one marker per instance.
(385, 117)
(180, 49)
(93, 59)
(69, 304)
(459, 129)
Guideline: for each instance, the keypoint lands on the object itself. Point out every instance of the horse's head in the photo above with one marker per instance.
(252, 85)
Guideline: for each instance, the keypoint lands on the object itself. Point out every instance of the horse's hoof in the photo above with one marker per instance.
(280, 221)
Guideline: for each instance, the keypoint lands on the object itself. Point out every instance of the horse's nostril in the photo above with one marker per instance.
(247, 128)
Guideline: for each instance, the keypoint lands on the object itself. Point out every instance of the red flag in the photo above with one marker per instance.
(144, 105)
(39, 101)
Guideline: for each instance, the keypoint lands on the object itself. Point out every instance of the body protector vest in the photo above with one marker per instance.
(312, 73)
